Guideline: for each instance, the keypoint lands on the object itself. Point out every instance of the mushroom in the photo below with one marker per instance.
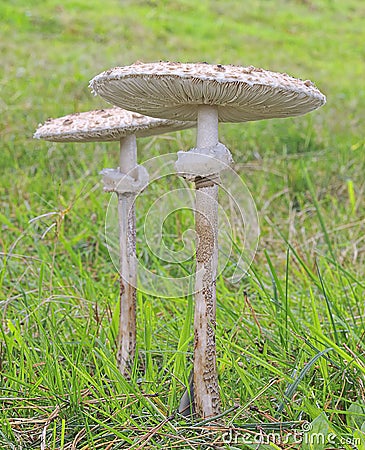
(209, 94)
(116, 124)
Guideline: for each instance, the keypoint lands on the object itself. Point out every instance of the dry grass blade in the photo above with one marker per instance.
(148, 436)
(52, 417)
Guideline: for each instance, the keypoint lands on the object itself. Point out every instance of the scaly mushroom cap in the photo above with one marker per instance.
(105, 125)
(175, 90)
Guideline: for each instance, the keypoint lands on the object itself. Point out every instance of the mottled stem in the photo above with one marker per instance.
(206, 389)
(127, 261)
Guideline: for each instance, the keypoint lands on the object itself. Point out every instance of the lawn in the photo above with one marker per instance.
(290, 334)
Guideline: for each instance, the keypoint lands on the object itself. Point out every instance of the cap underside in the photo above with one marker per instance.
(175, 91)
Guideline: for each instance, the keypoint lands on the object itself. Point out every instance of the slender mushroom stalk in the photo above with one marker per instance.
(127, 182)
(206, 390)
(116, 124)
(127, 259)
(203, 165)
(206, 93)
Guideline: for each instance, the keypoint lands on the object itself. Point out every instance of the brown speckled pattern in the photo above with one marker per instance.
(128, 292)
(104, 125)
(174, 91)
(206, 388)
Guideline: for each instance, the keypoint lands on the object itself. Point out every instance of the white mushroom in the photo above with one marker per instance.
(209, 94)
(127, 181)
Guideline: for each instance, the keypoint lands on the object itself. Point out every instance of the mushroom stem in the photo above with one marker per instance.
(127, 261)
(128, 154)
(206, 389)
(207, 126)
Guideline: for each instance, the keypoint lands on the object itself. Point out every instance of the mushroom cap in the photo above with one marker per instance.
(105, 125)
(175, 90)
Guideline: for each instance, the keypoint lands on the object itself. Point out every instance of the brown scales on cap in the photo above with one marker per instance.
(105, 125)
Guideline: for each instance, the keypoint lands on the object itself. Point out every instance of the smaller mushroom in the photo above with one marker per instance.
(116, 124)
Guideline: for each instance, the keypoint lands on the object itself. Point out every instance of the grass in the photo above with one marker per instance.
(289, 335)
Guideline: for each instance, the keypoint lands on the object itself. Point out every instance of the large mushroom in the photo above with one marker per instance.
(116, 124)
(209, 94)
